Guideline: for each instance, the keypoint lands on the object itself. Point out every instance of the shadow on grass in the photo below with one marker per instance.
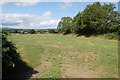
(78, 35)
(21, 72)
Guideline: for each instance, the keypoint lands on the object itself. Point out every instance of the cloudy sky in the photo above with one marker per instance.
(39, 15)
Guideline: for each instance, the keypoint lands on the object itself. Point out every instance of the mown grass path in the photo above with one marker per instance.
(58, 56)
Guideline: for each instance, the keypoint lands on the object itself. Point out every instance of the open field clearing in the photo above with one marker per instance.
(57, 56)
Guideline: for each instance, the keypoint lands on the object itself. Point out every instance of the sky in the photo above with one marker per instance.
(39, 15)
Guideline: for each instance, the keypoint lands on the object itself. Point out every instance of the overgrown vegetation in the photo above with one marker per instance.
(10, 56)
(11, 60)
(110, 36)
(96, 19)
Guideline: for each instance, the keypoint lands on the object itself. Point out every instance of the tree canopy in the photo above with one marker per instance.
(64, 25)
(95, 19)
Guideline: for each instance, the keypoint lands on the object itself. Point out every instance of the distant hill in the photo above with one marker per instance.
(6, 28)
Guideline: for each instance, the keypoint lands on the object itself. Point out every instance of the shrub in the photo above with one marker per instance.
(110, 35)
(32, 31)
(51, 31)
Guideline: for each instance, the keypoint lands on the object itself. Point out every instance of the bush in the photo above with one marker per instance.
(9, 54)
(32, 31)
(12, 64)
(51, 31)
(110, 35)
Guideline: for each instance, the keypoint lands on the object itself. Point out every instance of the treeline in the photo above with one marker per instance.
(96, 19)
(30, 31)
(22, 31)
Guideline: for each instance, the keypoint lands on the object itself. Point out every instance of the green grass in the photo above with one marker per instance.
(57, 49)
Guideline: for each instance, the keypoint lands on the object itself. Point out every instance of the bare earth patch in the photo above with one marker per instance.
(56, 46)
(42, 69)
(68, 67)
(73, 70)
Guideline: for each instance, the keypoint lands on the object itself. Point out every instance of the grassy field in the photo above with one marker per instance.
(58, 56)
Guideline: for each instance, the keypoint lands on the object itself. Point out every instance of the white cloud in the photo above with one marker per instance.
(29, 21)
(66, 4)
(47, 13)
(20, 2)
(23, 3)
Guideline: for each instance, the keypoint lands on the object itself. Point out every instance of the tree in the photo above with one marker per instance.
(96, 19)
(64, 26)
(15, 31)
(112, 18)
(51, 31)
(32, 31)
(76, 23)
